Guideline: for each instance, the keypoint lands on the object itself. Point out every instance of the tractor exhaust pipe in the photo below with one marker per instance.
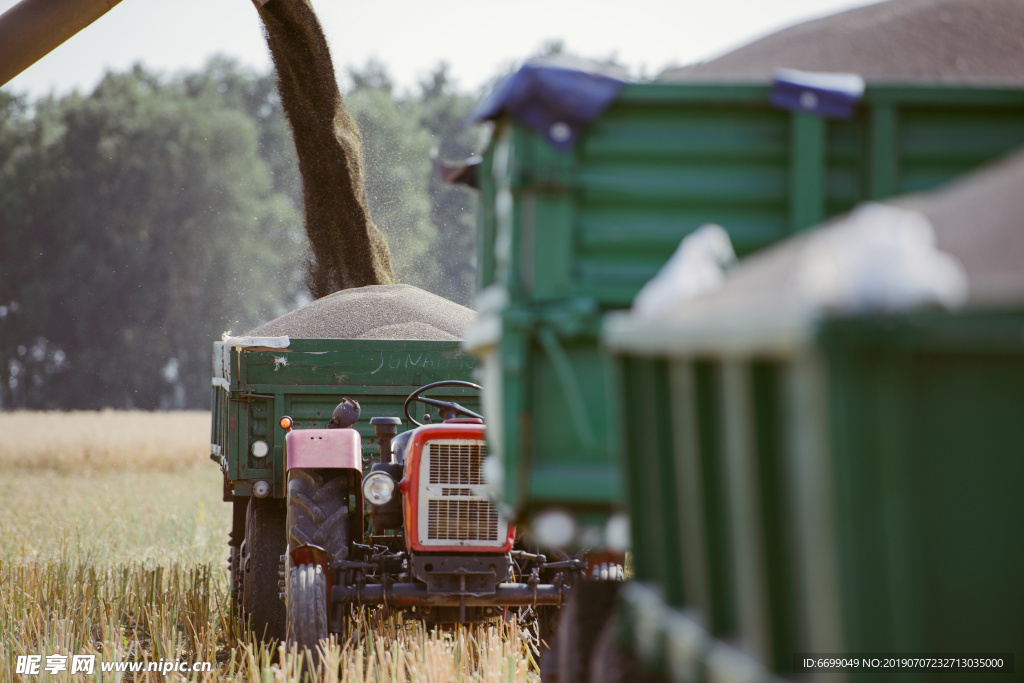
(385, 429)
(33, 28)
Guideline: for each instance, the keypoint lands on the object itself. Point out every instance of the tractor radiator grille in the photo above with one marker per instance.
(457, 463)
(462, 520)
(452, 507)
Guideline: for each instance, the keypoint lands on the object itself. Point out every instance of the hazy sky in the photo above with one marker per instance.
(476, 38)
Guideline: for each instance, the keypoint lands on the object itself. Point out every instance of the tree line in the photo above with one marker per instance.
(140, 221)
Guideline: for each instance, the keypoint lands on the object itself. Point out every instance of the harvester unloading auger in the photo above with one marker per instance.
(31, 29)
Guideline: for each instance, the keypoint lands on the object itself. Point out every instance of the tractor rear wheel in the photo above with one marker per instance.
(264, 544)
(307, 608)
(318, 510)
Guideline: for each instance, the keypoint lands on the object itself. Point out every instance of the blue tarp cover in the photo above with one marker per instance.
(830, 95)
(554, 101)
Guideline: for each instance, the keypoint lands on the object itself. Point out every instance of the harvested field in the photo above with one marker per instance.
(89, 441)
(373, 312)
(975, 42)
(126, 560)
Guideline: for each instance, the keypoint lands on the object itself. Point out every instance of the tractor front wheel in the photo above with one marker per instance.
(318, 515)
(307, 608)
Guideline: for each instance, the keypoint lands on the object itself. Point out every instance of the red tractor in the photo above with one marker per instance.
(435, 545)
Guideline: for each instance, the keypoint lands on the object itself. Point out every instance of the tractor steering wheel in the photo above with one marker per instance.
(448, 409)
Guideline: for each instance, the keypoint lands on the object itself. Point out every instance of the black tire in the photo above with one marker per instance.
(547, 648)
(318, 510)
(235, 579)
(264, 545)
(236, 546)
(580, 623)
(307, 608)
(614, 661)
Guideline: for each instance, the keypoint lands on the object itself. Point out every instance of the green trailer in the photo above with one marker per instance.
(854, 491)
(565, 237)
(805, 481)
(255, 386)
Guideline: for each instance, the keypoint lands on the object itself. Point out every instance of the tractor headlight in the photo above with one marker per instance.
(378, 488)
(260, 449)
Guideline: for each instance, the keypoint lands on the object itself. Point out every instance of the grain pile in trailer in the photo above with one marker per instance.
(953, 42)
(373, 312)
(978, 220)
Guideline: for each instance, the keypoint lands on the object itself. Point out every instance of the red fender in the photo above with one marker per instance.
(330, 449)
(323, 448)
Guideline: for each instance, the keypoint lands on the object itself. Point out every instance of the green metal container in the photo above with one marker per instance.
(598, 222)
(566, 237)
(848, 486)
(253, 388)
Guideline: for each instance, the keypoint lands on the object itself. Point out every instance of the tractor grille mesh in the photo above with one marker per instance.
(457, 464)
(462, 520)
(456, 511)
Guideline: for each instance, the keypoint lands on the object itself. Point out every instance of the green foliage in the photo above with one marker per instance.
(137, 224)
(140, 221)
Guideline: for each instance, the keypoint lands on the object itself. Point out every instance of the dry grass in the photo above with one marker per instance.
(71, 443)
(112, 542)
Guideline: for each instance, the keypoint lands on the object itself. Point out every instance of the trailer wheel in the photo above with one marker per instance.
(547, 648)
(235, 579)
(264, 545)
(580, 623)
(236, 545)
(307, 608)
(614, 661)
(318, 510)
